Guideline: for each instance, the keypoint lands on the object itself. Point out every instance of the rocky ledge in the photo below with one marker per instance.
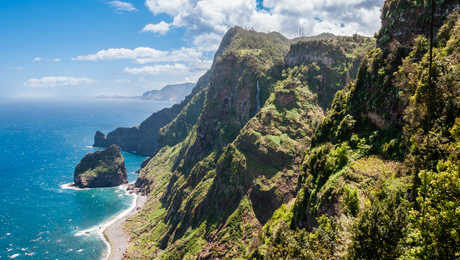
(101, 169)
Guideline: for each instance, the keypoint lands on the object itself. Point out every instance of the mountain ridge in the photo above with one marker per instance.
(329, 147)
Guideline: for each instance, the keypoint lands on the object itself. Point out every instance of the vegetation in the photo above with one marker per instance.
(329, 167)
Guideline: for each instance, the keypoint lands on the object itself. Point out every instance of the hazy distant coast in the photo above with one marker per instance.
(172, 93)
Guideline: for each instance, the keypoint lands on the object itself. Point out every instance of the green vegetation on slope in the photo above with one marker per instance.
(238, 164)
(375, 176)
(384, 163)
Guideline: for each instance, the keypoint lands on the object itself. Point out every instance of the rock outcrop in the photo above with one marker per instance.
(101, 169)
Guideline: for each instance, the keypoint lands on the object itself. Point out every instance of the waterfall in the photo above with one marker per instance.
(258, 97)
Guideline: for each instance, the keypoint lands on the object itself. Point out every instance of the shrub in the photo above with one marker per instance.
(378, 232)
(351, 200)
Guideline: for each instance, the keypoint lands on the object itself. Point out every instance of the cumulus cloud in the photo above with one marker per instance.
(37, 59)
(143, 55)
(120, 6)
(161, 28)
(139, 54)
(182, 64)
(207, 41)
(206, 21)
(56, 81)
(157, 69)
(289, 17)
(165, 72)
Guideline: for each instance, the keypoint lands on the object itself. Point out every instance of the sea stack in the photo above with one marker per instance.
(100, 140)
(101, 169)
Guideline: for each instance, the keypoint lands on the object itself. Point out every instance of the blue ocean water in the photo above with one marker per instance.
(40, 144)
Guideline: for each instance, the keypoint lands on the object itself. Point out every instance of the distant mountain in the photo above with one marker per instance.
(173, 93)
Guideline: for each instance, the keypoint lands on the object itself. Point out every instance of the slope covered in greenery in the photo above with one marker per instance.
(320, 147)
(382, 177)
(210, 194)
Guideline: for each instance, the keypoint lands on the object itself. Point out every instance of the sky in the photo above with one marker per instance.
(55, 48)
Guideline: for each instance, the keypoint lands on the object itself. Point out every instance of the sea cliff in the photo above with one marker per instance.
(313, 148)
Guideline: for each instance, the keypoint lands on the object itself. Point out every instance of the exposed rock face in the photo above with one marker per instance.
(101, 169)
(334, 61)
(100, 140)
(403, 20)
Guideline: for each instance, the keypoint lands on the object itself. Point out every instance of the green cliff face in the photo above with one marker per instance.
(210, 194)
(319, 147)
(381, 179)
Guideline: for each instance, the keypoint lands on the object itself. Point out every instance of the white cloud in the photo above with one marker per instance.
(143, 55)
(161, 28)
(139, 54)
(39, 59)
(172, 7)
(176, 72)
(206, 21)
(207, 41)
(184, 64)
(286, 16)
(176, 68)
(122, 6)
(122, 81)
(56, 81)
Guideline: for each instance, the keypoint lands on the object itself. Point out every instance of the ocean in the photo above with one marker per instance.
(40, 144)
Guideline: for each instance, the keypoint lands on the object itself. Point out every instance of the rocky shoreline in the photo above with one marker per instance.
(114, 233)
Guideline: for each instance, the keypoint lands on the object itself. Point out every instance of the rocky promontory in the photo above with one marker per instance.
(101, 169)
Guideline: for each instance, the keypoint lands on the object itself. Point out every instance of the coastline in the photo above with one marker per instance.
(114, 235)
(111, 231)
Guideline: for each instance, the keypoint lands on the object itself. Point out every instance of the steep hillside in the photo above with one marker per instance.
(211, 193)
(319, 147)
(382, 178)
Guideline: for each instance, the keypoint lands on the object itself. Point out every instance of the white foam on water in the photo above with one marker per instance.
(70, 186)
(13, 256)
(99, 229)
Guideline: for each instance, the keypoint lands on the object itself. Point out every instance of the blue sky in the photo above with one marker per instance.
(99, 47)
